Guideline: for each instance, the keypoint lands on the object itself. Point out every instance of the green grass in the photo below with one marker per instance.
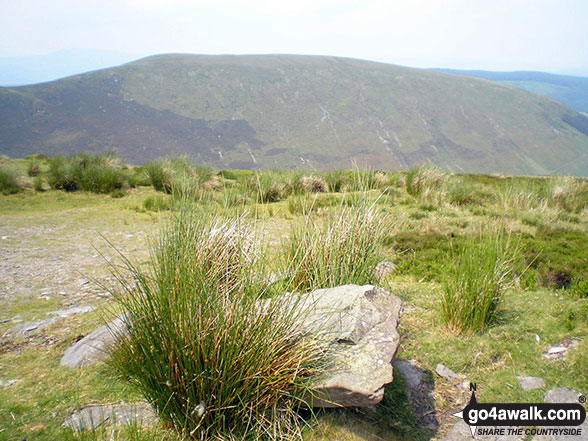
(328, 238)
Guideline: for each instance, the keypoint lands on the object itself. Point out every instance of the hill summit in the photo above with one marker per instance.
(267, 111)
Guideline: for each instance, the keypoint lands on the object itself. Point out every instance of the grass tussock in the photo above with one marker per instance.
(424, 179)
(104, 173)
(341, 249)
(9, 181)
(163, 173)
(477, 277)
(213, 363)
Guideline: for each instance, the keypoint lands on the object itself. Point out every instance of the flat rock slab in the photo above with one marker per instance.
(420, 391)
(25, 329)
(461, 432)
(560, 350)
(93, 347)
(92, 417)
(445, 372)
(564, 395)
(531, 383)
(361, 321)
(63, 313)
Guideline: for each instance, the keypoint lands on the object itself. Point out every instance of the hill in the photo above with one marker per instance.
(271, 111)
(570, 90)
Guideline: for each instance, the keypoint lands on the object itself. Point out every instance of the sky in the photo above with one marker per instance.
(547, 35)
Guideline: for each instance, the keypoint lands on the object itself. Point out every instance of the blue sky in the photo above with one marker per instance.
(548, 35)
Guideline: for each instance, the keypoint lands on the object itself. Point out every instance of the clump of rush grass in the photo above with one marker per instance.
(337, 180)
(477, 278)
(33, 168)
(214, 363)
(341, 249)
(104, 173)
(424, 179)
(567, 193)
(314, 184)
(9, 181)
(163, 173)
(157, 203)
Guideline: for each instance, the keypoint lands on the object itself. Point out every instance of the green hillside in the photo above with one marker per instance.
(295, 111)
(570, 90)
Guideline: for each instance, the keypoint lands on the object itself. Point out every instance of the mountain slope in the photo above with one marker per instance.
(295, 111)
(570, 90)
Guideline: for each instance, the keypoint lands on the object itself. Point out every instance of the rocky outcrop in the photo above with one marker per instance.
(93, 347)
(361, 323)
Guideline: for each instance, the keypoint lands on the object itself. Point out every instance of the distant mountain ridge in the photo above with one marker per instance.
(17, 71)
(268, 111)
(570, 90)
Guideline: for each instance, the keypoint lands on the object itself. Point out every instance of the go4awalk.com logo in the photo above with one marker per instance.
(559, 419)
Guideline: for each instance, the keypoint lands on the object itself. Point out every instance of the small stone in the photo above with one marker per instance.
(384, 269)
(445, 372)
(30, 327)
(92, 417)
(531, 383)
(564, 395)
(62, 313)
(560, 350)
(461, 432)
(7, 383)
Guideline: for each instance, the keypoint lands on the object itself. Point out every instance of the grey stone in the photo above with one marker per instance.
(445, 372)
(564, 395)
(25, 329)
(419, 387)
(360, 323)
(63, 313)
(384, 269)
(7, 383)
(461, 432)
(92, 417)
(531, 383)
(93, 347)
(560, 351)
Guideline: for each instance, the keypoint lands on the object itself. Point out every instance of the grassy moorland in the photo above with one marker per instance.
(492, 271)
